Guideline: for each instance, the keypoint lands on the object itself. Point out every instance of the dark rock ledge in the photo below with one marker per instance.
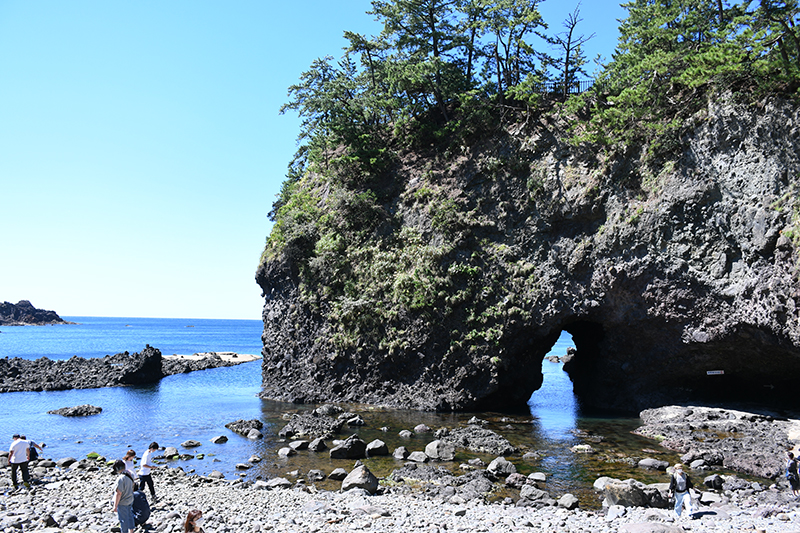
(147, 366)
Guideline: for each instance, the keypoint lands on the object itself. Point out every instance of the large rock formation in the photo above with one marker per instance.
(677, 284)
(23, 313)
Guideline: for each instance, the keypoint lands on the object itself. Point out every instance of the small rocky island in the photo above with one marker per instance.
(23, 313)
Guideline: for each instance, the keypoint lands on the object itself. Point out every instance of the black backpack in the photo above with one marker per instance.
(34, 455)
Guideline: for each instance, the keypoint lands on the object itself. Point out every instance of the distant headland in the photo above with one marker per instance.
(23, 313)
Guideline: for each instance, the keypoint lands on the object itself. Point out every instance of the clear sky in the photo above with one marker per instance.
(141, 146)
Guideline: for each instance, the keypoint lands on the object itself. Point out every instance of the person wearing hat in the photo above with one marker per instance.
(18, 457)
(679, 485)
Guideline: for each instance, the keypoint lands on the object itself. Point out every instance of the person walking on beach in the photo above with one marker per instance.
(194, 522)
(18, 457)
(123, 497)
(679, 485)
(145, 468)
(791, 474)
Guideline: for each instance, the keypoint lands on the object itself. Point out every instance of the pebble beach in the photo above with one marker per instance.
(74, 500)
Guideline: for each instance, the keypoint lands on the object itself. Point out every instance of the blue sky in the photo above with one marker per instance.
(141, 146)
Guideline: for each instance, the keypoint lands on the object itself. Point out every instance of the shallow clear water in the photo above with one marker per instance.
(198, 405)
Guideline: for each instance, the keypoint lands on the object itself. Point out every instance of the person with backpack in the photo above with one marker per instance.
(123, 497)
(791, 474)
(679, 485)
(34, 455)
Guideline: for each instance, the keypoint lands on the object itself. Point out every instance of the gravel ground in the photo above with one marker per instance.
(79, 500)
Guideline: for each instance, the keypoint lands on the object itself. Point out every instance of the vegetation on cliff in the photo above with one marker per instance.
(423, 146)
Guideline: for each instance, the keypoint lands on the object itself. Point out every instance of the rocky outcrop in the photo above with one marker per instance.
(751, 443)
(677, 279)
(138, 368)
(23, 313)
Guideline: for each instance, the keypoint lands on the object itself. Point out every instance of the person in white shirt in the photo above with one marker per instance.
(144, 470)
(18, 457)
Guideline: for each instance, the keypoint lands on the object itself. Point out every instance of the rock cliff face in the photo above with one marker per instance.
(23, 314)
(676, 285)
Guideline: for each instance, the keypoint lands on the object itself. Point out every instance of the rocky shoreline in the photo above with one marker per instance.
(75, 496)
(426, 490)
(139, 368)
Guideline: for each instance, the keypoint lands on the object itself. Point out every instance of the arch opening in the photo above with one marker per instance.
(554, 406)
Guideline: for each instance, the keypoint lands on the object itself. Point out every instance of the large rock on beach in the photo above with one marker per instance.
(478, 439)
(750, 443)
(312, 426)
(351, 448)
(360, 478)
(78, 410)
(245, 427)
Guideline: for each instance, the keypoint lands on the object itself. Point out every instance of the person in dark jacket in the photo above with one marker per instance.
(141, 509)
(679, 485)
(791, 474)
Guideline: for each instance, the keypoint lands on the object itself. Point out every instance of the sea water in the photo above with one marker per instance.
(197, 406)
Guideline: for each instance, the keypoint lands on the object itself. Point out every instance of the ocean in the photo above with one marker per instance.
(199, 404)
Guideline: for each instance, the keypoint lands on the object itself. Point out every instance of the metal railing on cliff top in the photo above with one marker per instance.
(575, 87)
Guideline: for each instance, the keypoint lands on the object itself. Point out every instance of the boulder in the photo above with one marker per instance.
(316, 475)
(516, 481)
(360, 478)
(568, 501)
(279, 483)
(405, 434)
(79, 410)
(170, 452)
(255, 434)
(501, 467)
(317, 445)
(400, 453)
(440, 450)
(377, 447)
(628, 493)
(355, 421)
(421, 428)
(221, 439)
(312, 426)
(529, 492)
(714, 482)
(243, 427)
(653, 464)
(66, 462)
(418, 457)
(328, 410)
(351, 448)
(480, 440)
(299, 445)
(216, 474)
(286, 452)
(190, 444)
(338, 474)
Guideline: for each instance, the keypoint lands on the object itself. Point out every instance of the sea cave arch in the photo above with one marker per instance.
(523, 376)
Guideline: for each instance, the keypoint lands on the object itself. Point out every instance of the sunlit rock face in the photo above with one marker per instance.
(677, 284)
